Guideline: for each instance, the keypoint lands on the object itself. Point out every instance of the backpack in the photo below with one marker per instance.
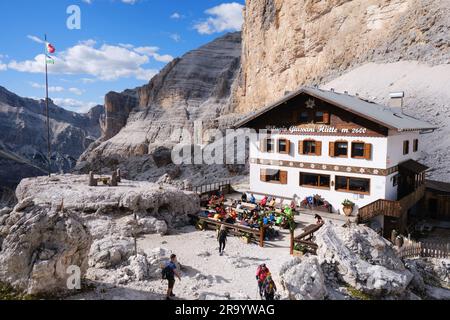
(268, 287)
(167, 273)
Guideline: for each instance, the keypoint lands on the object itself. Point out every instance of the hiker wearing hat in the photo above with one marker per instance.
(261, 275)
(269, 287)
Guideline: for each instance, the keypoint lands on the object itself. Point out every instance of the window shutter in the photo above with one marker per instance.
(283, 177)
(331, 149)
(326, 117)
(300, 147)
(318, 148)
(288, 146)
(263, 176)
(263, 144)
(367, 151)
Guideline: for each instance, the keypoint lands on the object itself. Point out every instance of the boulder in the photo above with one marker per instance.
(38, 247)
(23, 204)
(363, 259)
(303, 279)
(5, 211)
(138, 268)
(110, 252)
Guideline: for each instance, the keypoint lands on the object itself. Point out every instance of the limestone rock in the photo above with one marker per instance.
(110, 252)
(363, 259)
(303, 279)
(23, 204)
(38, 247)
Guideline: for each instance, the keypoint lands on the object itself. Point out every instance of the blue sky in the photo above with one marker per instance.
(121, 43)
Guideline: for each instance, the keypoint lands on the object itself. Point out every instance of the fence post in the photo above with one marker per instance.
(261, 236)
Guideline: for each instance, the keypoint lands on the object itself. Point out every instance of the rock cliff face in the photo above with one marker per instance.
(287, 43)
(138, 122)
(23, 139)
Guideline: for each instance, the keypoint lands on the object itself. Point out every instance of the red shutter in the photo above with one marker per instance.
(288, 146)
(263, 175)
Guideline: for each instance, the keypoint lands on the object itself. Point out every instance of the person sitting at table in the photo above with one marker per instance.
(293, 205)
(244, 197)
(272, 203)
(252, 199)
(266, 221)
(245, 222)
(272, 217)
(263, 202)
(239, 205)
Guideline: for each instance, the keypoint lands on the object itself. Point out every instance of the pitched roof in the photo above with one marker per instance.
(438, 186)
(375, 112)
(413, 166)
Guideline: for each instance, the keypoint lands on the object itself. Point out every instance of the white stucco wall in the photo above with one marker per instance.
(395, 147)
(377, 186)
(379, 151)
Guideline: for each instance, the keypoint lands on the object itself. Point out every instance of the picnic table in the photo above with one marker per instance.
(235, 228)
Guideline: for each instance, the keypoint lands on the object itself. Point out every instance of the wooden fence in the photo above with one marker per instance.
(224, 186)
(424, 250)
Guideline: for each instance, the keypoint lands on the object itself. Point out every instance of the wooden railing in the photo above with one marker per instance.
(211, 187)
(425, 250)
(379, 207)
(390, 208)
(306, 237)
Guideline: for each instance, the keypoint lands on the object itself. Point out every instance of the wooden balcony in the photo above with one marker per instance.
(390, 208)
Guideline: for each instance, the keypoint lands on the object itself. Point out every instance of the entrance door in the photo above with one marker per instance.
(390, 224)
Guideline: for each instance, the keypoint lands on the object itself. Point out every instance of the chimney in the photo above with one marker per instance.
(396, 101)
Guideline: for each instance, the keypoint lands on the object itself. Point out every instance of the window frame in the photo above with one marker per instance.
(335, 149)
(288, 146)
(267, 144)
(415, 145)
(405, 147)
(348, 190)
(363, 150)
(318, 180)
(281, 173)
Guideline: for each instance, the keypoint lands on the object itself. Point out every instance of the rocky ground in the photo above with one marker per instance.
(61, 222)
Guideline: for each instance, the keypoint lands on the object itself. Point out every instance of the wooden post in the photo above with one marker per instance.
(261, 236)
(119, 176)
(114, 179)
(92, 181)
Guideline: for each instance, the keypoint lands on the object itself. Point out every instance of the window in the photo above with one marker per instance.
(304, 117)
(273, 176)
(310, 147)
(405, 147)
(284, 146)
(338, 149)
(395, 180)
(314, 180)
(357, 150)
(267, 145)
(416, 145)
(319, 117)
(353, 185)
(361, 150)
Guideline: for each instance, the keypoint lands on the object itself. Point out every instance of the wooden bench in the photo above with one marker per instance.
(235, 229)
(306, 237)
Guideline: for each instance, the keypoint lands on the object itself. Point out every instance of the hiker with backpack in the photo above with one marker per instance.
(222, 238)
(261, 275)
(168, 273)
(269, 287)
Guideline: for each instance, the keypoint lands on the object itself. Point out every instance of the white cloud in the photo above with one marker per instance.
(76, 91)
(152, 52)
(108, 62)
(74, 105)
(176, 16)
(175, 37)
(50, 89)
(89, 42)
(224, 17)
(3, 67)
(35, 39)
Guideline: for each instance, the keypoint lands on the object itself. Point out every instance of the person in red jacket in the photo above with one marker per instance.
(263, 201)
(261, 275)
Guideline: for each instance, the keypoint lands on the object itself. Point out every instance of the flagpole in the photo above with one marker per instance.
(47, 112)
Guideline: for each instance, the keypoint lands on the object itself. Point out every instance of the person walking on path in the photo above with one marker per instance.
(269, 287)
(261, 275)
(222, 238)
(169, 273)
